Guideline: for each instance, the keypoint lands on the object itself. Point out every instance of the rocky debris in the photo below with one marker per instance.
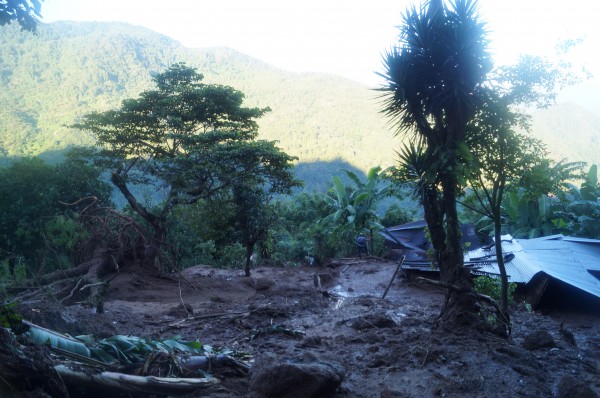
(538, 339)
(261, 283)
(310, 377)
(373, 321)
(567, 335)
(570, 387)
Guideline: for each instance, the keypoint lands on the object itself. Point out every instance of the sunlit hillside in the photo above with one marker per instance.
(570, 132)
(69, 69)
(50, 79)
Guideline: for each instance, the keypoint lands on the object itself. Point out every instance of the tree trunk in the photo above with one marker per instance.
(249, 251)
(434, 217)
(152, 253)
(460, 307)
(501, 266)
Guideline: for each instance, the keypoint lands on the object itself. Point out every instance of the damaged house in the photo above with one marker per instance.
(553, 270)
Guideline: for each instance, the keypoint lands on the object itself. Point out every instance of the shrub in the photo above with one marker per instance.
(493, 287)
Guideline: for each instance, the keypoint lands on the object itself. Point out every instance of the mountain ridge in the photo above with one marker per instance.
(68, 69)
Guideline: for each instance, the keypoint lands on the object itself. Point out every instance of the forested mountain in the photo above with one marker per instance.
(570, 132)
(68, 69)
(50, 79)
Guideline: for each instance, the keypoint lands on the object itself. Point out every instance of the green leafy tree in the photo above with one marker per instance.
(582, 206)
(301, 232)
(354, 207)
(38, 201)
(253, 218)
(536, 203)
(501, 156)
(25, 12)
(434, 87)
(195, 139)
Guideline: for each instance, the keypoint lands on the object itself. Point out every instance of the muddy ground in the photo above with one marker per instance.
(386, 346)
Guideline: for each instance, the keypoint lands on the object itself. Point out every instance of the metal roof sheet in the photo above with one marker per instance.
(568, 259)
(521, 269)
(564, 258)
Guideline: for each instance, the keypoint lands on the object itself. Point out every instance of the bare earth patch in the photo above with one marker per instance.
(386, 347)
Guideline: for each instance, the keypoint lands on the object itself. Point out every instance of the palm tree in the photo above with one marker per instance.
(433, 88)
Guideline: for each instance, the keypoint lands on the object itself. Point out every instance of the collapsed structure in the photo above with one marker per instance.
(551, 269)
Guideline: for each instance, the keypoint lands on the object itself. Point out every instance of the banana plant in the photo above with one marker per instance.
(583, 206)
(355, 207)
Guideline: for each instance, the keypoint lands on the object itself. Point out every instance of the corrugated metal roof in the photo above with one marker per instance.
(564, 258)
(567, 259)
(520, 269)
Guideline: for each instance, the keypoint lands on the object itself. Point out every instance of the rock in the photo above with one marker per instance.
(263, 283)
(309, 377)
(567, 335)
(570, 387)
(373, 321)
(538, 339)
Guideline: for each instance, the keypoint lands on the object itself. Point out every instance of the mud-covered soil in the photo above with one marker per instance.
(386, 346)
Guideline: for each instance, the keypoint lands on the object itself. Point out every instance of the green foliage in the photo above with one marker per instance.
(194, 233)
(25, 12)
(9, 318)
(581, 207)
(64, 233)
(231, 256)
(354, 208)
(197, 140)
(124, 350)
(39, 228)
(301, 231)
(396, 215)
(492, 287)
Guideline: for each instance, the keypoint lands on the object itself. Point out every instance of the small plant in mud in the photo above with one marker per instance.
(493, 288)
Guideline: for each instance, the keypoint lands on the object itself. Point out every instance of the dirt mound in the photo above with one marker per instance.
(386, 346)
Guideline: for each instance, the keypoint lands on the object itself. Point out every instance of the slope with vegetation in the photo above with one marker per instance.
(49, 80)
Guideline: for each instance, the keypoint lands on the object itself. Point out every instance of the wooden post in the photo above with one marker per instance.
(393, 277)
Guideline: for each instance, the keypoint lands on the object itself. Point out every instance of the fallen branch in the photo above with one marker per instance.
(89, 285)
(72, 291)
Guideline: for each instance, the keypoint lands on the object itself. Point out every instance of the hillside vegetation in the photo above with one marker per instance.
(48, 80)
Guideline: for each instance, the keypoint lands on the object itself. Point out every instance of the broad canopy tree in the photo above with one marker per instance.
(433, 87)
(196, 139)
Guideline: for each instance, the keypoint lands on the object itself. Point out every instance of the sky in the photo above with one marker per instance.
(348, 37)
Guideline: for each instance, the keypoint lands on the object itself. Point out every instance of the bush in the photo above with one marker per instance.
(493, 287)
(232, 256)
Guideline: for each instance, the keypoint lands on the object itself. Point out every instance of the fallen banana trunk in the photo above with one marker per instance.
(197, 363)
(132, 384)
